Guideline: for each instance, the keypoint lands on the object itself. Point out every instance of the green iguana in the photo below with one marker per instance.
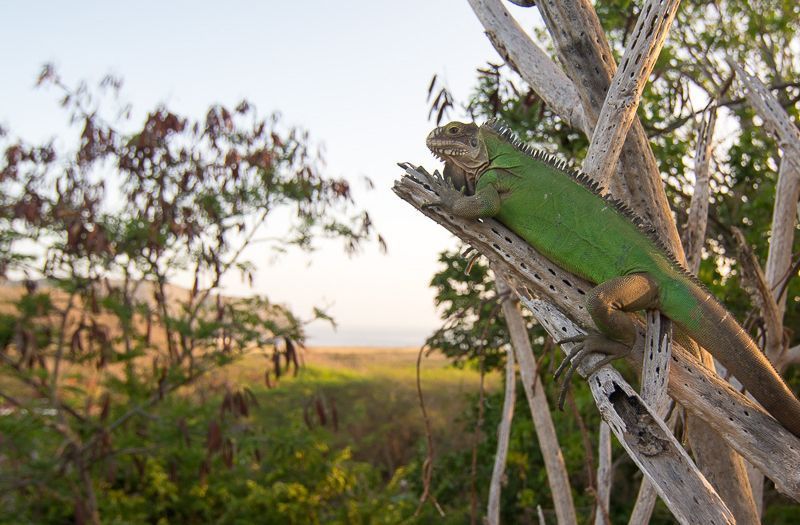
(560, 212)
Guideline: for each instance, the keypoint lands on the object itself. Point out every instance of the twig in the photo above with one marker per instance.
(473, 491)
(503, 436)
(427, 465)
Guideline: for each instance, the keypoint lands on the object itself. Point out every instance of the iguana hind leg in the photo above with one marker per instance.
(610, 305)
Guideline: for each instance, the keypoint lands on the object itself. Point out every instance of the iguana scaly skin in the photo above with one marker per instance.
(561, 213)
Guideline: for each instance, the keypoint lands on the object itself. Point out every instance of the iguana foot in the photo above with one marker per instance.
(443, 187)
(587, 344)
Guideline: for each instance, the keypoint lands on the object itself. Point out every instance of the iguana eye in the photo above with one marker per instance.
(474, 143)
(453, 130)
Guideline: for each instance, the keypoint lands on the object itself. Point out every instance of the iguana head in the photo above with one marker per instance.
(460, 144)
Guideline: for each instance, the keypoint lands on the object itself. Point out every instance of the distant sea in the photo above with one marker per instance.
(320, 334)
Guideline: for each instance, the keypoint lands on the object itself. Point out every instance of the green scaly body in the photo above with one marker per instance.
(560, 213)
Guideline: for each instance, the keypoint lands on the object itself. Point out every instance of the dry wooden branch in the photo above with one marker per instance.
(740, 422)
(646, 439)
(772, 113)
(645, 503)
(604, 475)
(756, 283)
(503, 435)
(583, 51)
(622, 99)
(779, 259)
(792, 356)
(655, 372)
(557, 476)
(697, 220)
(786, 193)
(525, 57)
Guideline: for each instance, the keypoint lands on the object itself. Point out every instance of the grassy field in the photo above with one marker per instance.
(373, 394)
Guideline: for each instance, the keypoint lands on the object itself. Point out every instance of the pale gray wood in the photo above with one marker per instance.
(586, 57)
(657, 353)
(783, 225)
(695, 228)
(540, 514)
(772, 113)
(625, 91)
(557, 475)
(645, 503)
(604, 475)
(503, 435)
(655, 375)
(741, 423)
(778, 121)
(643, 435)
(525, 57)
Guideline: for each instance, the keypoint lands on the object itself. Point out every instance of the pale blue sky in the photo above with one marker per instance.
(354, 73)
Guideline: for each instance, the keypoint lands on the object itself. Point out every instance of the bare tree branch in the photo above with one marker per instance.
(772, 113)
(604, 475)
(583, 51)
(643, 435)
(622, 99)
(531, 62)
(695, 228)
(781, 125)
(557, 475)
(503, 435)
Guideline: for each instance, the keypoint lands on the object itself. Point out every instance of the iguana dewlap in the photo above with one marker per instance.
(561, 213)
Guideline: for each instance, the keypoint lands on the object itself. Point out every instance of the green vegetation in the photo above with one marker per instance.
(337, 444)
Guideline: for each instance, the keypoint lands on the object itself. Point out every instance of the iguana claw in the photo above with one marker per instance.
(585, 345)
(444, 188)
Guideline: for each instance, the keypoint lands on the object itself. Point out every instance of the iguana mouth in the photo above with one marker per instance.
(450, 149)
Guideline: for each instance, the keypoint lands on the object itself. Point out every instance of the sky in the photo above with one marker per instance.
(354, 73)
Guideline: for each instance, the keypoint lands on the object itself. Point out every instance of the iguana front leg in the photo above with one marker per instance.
(484, 203)
(609, 305)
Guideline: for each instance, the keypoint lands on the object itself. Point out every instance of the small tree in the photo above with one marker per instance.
(99, 230)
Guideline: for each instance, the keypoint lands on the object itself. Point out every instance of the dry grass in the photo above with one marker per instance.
(374, 392)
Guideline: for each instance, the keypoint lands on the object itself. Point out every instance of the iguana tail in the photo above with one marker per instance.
(720, 334)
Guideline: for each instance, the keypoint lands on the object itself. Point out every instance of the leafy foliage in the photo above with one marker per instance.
(98, 335)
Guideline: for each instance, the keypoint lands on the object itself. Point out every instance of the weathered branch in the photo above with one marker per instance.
(503, 435)
(604, 475)
(740, 422)
(655, 373)
(787, 190)
(622, 99)
(647, 495)
(583, 51)
(642, 434)
(757, 283)
(772, 113)
(779, 258)
(695, 228)
(645, 503)
(525, 57)
(655, 376)
(792, 356)
(723, 467)
(557, 476)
